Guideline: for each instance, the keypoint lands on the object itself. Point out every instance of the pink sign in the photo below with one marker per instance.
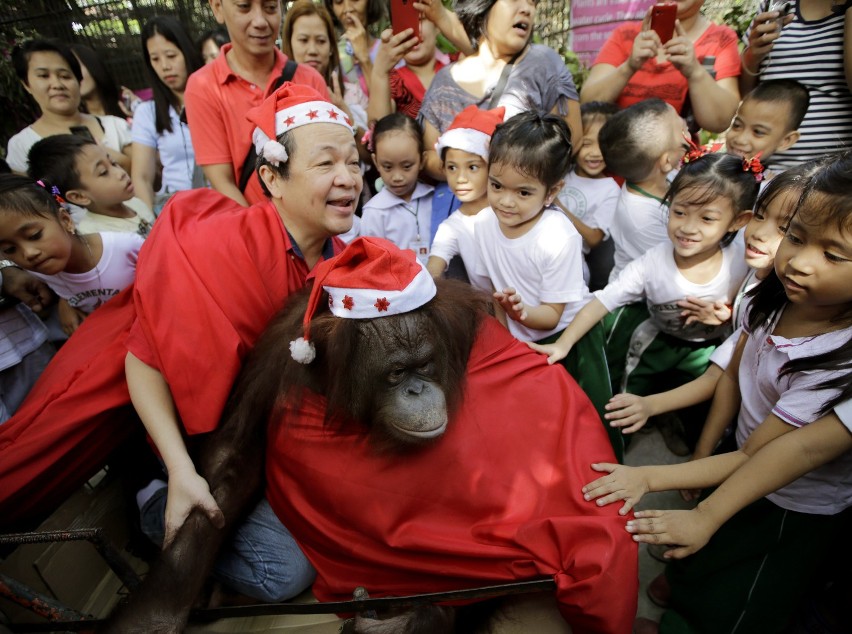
(593, 20)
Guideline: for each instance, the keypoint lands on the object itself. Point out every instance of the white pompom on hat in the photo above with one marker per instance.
(370, 278)
(471, 131)
(290, 107)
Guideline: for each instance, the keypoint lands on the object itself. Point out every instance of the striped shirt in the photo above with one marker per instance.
(811, 52)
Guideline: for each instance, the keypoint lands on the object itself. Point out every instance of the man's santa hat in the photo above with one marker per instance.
(471, 131)
(371, 278)
(288, 108)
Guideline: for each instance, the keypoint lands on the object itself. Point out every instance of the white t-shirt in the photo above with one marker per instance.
(407, 224)
(140, 223)
(791, 397)
(591, 200)
(639, 224)
(545, 265)
(844, 413)
(655, 278)
(116, 137)
(455, 236)
(115, 270)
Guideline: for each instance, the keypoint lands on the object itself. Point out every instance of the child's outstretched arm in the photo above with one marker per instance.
(775, 459)
(153, 401)
(541, 317)
(592, 236)
(704, 311)
(582, 323)
(436, 266)
(631, 412)
(448, 24)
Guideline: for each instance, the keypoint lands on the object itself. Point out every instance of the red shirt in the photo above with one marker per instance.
(664, 81)
(217, 100)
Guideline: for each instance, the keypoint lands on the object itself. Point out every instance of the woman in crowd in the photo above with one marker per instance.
(506, 70)
(100, 93)
(170, 57)
(52, 75)
(634, 64)
(210, 43)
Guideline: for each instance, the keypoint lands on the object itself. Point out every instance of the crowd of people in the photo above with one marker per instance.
(711, 281)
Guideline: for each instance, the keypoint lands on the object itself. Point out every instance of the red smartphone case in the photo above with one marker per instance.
(663, 18)
(405, 16)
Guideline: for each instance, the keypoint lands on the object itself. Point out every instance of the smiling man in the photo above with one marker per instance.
(219, 94)
(210, 277)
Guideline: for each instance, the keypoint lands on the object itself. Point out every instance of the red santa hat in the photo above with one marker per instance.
(471, 131)
(290, 107)
(371, 278)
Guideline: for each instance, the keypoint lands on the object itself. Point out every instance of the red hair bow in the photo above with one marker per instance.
(696, 151)
(754, 166)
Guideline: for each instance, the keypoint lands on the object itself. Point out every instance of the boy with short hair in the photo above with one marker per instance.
(86, 176)
(767, 120)
(643, 144)
(589, 196)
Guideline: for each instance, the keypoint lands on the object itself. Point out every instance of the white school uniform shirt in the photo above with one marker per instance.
(407, 224)
(455, 236)
(141, 223)
(828, 489)
(655, 278)
(591, 200)
(638, 225)
(844, 413)
(545, 265)
(725, 351)
(115, 271)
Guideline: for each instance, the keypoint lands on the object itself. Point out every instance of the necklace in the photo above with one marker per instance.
(644, 193)
(416, 213)
(92, 259)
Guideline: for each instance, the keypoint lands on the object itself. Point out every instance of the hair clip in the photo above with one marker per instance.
(696, 151)
(54, 191)
(367, 139)
(754, 166)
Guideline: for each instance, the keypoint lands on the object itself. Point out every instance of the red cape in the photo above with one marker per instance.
(496, 499)
(209, 278)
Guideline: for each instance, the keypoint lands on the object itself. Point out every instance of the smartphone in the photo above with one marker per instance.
(783, 7)
(663, 18)
(405, 16)
(83, 131)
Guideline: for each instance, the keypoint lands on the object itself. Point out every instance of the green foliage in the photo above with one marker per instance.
(17, 106)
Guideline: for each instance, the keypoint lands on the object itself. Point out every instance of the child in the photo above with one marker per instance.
(642, 144)
(710, 200)
(85, 176)
(530, 252)
(767, 120)
(38, 235)
(762, 235)
(589, 197)
(794, 366)
(402, 211)
(463, 149)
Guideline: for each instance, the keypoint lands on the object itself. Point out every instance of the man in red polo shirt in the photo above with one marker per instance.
(219, 95)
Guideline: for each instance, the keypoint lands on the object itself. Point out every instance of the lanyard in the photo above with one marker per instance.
(643, 192)
(416, 213)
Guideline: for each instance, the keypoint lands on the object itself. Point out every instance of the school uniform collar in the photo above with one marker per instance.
(387, 200)
(801, 347)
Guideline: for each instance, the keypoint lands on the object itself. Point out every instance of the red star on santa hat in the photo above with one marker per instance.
(332, 114)
(348, 302)
(382, 304)
(289, 121)
(348, 120)
(312, 114)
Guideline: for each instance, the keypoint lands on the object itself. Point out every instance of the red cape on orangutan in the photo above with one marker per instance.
(210, 276)
(496, 499)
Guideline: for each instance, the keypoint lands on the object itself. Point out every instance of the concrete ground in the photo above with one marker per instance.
(647, 447)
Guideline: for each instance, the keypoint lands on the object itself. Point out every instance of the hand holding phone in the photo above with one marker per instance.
(663, 18)
(405, 16)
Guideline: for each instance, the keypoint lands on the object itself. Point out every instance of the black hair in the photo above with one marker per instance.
(219, 35)
(22, 195)
(473, 14)
(537, 145)
(794, 178)
(22, 52)
(630, 140)
(54, 159)
(826, 199)
(173, 31)
(397, 122)
(595, 111)
(784, 91)
(375, 12)
(105, 85)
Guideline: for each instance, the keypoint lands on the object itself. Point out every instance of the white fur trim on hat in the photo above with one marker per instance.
(466, 140)
(364, 303)
(299, 115)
